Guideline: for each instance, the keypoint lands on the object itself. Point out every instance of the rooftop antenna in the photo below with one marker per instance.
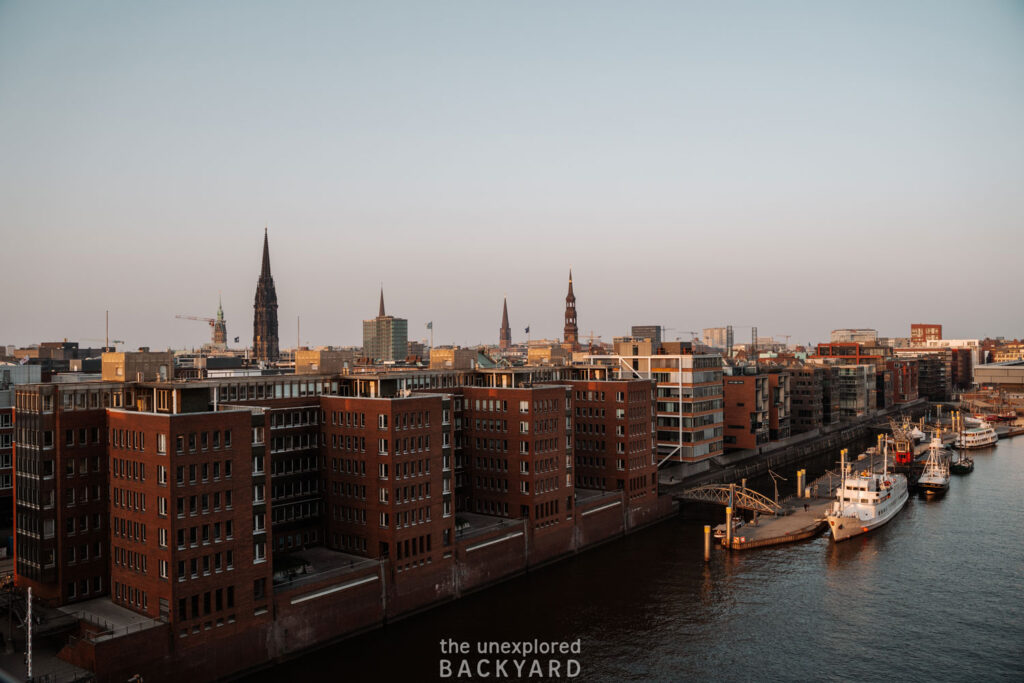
(106, 343)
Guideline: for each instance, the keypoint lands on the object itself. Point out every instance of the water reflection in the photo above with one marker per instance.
(932, 595)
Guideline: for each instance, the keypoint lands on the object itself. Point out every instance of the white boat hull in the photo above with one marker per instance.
(977, 437)
(844, 527)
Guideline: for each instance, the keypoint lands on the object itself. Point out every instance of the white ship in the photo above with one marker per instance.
(977, 437)
(865, 501)
(935, 477)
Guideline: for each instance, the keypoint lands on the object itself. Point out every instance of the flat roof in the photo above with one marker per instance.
(477, 524)
(310, 565)
(104, 612)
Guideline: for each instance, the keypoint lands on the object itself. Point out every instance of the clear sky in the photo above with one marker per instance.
(799, 166)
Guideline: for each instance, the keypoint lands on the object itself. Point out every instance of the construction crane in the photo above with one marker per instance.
(94, 339)
(664, 329)
(105, 340)
(218, 326)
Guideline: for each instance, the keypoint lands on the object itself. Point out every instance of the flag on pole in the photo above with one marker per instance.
(430, 325)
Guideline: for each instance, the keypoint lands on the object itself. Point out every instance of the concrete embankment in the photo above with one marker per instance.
(815, 451)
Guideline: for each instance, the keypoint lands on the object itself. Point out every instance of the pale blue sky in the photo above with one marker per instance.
(800, 166)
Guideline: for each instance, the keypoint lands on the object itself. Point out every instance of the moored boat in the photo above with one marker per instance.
(865, 501)
(980, 435)
(961, 464)
(934, 480)
(737, 523)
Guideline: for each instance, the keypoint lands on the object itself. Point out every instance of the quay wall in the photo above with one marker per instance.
(815, 454)
(321, 611)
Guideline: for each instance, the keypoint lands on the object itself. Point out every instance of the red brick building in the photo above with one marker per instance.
(921, 333)
(61, 488)
(176, 491)
(518, 452)
(614, 449)
(904, 380)
(188, 515)
(385, 478)
(747, 399)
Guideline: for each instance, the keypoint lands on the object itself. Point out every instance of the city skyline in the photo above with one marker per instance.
(795, 168)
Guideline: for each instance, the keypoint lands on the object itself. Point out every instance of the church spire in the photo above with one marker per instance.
(571, 332)
(265, 271)
(505, 333)
(380, 313)
(265, 343)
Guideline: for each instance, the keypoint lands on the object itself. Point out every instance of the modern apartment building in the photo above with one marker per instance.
(857, 335)
(814, 398)
(385, 338)
(689, 406)
(780, 388)
(716, 337)
(857, 391)
(11, 375)
(61, 488)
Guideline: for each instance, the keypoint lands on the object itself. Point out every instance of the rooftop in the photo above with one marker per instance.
(315, 564)
(471, 524)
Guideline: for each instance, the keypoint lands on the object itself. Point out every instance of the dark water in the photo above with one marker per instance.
(937, 594)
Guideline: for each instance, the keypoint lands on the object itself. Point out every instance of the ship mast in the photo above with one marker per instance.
(842, 481)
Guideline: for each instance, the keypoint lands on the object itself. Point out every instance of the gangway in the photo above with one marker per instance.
(737, 497)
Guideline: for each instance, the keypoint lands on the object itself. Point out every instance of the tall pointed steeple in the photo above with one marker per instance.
(380, 312)
(265, 271)
(571, 332)
(505, 333)
(265, 343)
(220, 327)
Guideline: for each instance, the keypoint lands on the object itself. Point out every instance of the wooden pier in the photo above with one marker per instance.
(790, 526)
(799, 518)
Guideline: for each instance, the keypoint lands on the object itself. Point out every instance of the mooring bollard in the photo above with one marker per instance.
(707, 543)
